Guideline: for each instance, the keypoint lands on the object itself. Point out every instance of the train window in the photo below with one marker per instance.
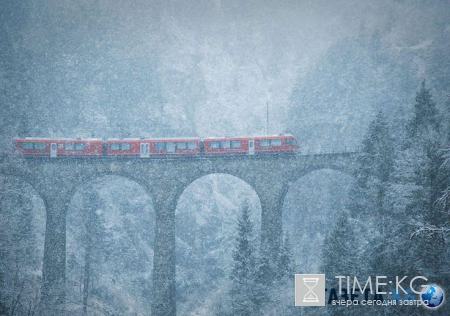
(118, 146)
(27, 146)
(125, 146)
(264, 143)
(294, 142)
(114, 146)
(69, 146)
(236, 144)
(192, 145)
(39, 146)
(80, 146)
(75, 146)
(225, 144)
(214, 145)
(170, 147)
(160, 146)
(288, 142)
(33, 146)
(181, 145)
(275, 142)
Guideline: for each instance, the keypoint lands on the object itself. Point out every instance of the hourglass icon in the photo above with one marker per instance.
(310, 297)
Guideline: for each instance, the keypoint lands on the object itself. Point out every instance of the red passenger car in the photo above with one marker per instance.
(250, 145)
(275, 144)
(149, 148)
(125, 147)
(49, 147)
(227, 146)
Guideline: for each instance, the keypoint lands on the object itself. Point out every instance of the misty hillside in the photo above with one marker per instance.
(148, 69)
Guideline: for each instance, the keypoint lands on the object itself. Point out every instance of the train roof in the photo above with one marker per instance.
(55, 138)
(252, 136)
(148, 138)
(157, 138)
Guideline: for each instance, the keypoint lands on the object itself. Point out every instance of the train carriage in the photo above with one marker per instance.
(175, 147)
(275, 144)
(227, 146)
(279, 144)
(128, 147)
(147, 148)
(50, 147)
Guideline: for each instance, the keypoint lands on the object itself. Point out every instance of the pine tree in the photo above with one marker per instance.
(337, 258)
(375, 163)
(281, 293)
(427, 142)
(386, 256)
(418, 182)
(243, 267)
(286, 262)
(373, 172)
(425, 122)
(264, 278)
(338, 253)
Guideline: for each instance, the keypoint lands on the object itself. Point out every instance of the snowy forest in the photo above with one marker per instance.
(371, 77)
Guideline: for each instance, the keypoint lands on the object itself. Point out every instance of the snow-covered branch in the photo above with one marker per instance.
(429, 231)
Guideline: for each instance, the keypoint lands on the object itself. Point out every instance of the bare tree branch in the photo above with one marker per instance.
(430, 231)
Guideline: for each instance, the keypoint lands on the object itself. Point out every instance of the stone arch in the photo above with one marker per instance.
(206, 217)
(115, 243)
(93, 175)
(307, 215)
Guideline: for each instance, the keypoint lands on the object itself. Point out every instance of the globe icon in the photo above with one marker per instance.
(432, 296)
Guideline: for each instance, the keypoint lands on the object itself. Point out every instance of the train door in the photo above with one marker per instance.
(53, 152)
(251, 147)
(145, 150)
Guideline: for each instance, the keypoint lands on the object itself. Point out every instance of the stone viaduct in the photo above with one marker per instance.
(56, 181)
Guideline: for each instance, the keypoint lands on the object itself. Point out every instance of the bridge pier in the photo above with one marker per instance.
(54, 266)
(164, 288)
(271, 194)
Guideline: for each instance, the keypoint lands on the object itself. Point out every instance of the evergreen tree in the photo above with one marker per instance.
(375, 163)
(85, 262)
(243, 267)
(425, 143)
(373, 173)
(375, 166)
(425, 122)
(337, 258)
(416, 184)
(286, 262)
(264, 278)
(281, 290)
(338, 254)
(385, 256)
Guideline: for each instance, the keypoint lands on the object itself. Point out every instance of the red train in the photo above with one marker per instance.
(47, 147)
(154, 147)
